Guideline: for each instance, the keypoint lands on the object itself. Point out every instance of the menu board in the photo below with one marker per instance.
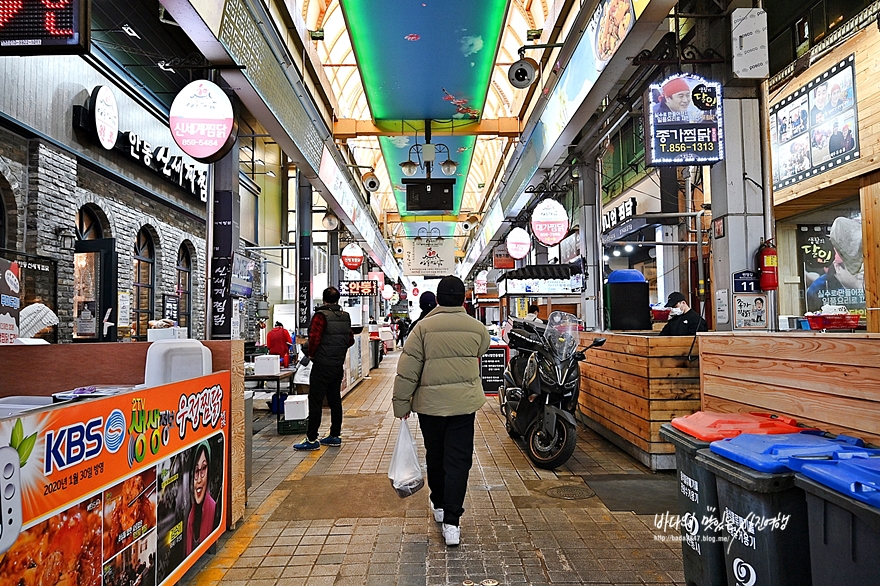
(128, 488)
(815, 129)
(492, 366)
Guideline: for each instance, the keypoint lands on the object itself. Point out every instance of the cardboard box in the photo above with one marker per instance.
(296, 407)
(267, 364)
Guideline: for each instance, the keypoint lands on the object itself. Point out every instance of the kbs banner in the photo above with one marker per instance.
(133, 484)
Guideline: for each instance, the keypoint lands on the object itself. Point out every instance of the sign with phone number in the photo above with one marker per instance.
(684, 122)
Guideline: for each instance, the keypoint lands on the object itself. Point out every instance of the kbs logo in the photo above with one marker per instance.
(79, 442)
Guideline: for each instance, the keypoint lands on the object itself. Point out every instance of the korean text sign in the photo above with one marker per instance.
(685, 122)
(135, 480)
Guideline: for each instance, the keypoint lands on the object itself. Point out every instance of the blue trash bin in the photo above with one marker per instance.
(843, 507)
(763, 515)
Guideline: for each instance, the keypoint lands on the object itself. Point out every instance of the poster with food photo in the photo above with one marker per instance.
(63, 549)
(129, 511)
(190, 501)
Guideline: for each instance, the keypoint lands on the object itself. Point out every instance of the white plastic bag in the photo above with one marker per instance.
(301, 376)
(405, 472)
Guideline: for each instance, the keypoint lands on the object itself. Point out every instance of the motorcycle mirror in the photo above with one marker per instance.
(597, 342)
(580, 356)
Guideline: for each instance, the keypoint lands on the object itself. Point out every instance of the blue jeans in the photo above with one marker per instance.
(449, 452)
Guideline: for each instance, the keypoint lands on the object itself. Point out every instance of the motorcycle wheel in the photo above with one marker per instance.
(547, 453)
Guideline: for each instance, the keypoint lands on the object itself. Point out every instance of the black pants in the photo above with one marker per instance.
(325, 381)
(449, 451)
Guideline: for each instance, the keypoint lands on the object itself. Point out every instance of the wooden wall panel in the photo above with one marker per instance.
(635, 383)
(831, 381)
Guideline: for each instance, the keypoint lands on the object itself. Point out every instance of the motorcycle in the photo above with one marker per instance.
(541, 385)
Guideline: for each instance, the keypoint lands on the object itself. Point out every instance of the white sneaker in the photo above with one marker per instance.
(438, 514)
(451, 533)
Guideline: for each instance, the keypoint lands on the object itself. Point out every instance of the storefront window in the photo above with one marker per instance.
(144, 262)
(88, 227)
(184, 287)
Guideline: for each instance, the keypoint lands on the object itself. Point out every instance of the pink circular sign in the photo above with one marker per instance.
(352, 256)
(518, 243)
(106, 116)
(549, 222)
(202, 122)
(387, 292)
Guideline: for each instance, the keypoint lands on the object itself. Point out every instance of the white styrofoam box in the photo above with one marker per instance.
(154, 334)
(180, 333)
(267, 364)
(296, 407)
(173, 360)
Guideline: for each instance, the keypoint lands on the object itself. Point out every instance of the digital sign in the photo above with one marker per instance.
(44, 27)
(358, 288)
(684, 119)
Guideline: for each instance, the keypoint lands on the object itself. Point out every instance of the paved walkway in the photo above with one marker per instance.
(510, 532)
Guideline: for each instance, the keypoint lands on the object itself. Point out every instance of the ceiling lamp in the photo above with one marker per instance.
(423, 156)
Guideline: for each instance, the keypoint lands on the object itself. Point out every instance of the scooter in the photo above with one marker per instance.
(541, 386)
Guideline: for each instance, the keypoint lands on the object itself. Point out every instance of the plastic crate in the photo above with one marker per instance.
(293, 426)
(844, 321)
(660, 314)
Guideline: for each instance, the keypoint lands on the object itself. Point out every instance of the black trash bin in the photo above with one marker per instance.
(757, 553)
(375, 353)
(763, 513)
(701, 545)
(843, 507)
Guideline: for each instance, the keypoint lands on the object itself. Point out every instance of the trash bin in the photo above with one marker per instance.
(375, 353)
(248, 439)
(702, 551)
(763, 514)
(843, 508)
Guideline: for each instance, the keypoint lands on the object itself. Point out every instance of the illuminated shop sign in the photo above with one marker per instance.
(549, 222)
(101, 121)
(201, 121)
(816, 128)
(685, 122)
(616, 216)
(359, 288)
(44, 27)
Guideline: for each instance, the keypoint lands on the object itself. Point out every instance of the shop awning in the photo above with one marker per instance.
(545, 272)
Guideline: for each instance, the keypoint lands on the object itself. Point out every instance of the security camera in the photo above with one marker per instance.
(371, 182)
(470, 223)
(522, 74)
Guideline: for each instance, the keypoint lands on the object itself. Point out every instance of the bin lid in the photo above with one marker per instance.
(771, 453)
(856, 475)
(710, 426)
(626, 276)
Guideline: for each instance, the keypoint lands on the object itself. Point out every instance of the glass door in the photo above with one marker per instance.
(94, 293)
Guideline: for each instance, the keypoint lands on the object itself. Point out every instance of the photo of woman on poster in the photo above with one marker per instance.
(203, 515)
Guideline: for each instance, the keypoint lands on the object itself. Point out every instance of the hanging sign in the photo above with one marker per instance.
(202, 122)
(105, 116)
(352, 256)
(429, 257)
(549, 222)
(684, 121)
(481, 286)
(358, 288)
(387, 292)
(518, 243)
(501, 259)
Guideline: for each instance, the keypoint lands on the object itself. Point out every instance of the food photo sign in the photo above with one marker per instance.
(685, 122)
(122, 486)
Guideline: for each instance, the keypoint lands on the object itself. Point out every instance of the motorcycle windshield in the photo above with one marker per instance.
(561, 334)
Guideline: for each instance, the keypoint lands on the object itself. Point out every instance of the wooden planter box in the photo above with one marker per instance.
(635, 383)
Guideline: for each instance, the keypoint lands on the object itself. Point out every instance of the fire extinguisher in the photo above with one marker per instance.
(768, 266)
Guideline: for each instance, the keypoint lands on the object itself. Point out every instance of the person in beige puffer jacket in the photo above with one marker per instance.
(438, 377)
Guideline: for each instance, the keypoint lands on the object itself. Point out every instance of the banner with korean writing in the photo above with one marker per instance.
(429, 257)
(140, 476)
(816, 128)
(685, 122)
(831, 264)
(10, 294)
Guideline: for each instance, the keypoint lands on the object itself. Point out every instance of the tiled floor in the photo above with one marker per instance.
(546, 542)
